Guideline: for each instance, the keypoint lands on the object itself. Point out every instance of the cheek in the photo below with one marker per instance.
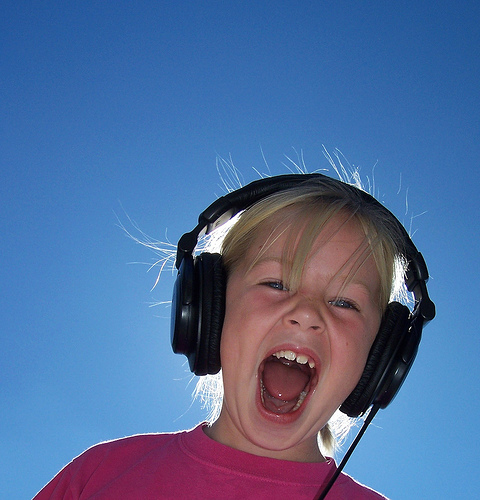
(234, 332)
(231, 322)
(237, 358)
(243, 332)
(353, 357)
(353, 351)
(228, 343)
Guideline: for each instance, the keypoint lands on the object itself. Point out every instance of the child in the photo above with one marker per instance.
(296, 309)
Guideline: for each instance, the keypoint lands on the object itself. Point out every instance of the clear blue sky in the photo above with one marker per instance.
(118, 104)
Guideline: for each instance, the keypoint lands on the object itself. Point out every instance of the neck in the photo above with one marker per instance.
(306, 451)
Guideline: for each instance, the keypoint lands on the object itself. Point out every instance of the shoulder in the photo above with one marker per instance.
(137, 441)
(128, 448)
(108, 460)
(353, 489)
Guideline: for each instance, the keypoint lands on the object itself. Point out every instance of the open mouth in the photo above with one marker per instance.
(286, 378)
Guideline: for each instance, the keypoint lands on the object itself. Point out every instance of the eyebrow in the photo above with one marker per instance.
(347, 281)
(265, 259)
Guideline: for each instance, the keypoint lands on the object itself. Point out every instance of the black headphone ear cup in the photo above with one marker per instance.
(392, 331)
(184, 314)
(198, 310)
(212, 285)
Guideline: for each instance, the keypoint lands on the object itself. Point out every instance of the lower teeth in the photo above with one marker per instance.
(302, 397)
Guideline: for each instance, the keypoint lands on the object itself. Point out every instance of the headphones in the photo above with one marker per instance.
(198, 305)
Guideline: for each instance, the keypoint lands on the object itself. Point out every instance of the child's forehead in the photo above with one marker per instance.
(339, 254)
(283, 236)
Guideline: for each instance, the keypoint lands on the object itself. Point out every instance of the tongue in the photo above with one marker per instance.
(284, 379)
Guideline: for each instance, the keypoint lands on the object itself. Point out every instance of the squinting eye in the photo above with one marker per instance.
(276, 285)
(343, 303)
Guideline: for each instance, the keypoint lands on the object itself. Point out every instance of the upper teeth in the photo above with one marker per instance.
(293, 356)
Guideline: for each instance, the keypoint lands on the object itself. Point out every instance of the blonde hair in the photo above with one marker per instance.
(304, 212)
(315, 205)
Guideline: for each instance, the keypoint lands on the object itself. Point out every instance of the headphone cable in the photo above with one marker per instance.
(349, 452)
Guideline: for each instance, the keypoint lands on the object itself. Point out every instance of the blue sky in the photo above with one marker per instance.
(121, 109)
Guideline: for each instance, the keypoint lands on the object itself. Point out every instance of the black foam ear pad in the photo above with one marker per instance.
(381, 361)
(212, 284)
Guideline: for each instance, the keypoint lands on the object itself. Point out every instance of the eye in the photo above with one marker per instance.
(344, 304)
(276, 285)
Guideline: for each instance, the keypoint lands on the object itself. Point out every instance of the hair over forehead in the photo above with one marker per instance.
(304, 212)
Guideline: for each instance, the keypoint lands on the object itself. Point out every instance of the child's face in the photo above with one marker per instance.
(332, 333)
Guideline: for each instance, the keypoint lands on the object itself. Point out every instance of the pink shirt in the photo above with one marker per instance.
(190, 465)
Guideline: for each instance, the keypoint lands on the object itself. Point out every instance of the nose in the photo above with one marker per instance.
(304, 314)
